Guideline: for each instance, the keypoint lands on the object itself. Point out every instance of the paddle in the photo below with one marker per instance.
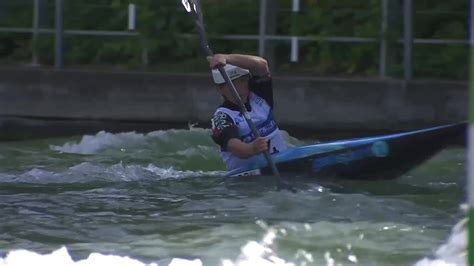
(193, 9)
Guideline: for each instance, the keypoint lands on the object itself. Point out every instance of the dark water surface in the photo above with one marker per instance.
(161, 196)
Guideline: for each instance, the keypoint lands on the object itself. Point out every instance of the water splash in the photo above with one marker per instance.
(263, 252)
(172, 173)
(183, 139)
(453, 253)
(88, 172)
(259, 253)
(92, 144)
(61, 257)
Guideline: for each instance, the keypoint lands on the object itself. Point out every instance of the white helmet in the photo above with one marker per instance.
(232, 71)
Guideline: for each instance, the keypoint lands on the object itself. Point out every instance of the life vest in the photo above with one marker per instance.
(262, 116)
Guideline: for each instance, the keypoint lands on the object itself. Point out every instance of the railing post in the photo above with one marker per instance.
(59, 19)
(294, 56)
(407, 40)
(294, 39)
(262, 28)
(383, 39)
(470, 156)
(34, 43)
(131, 17)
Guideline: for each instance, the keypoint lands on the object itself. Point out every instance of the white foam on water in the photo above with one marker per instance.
(259, 253)
(172, 173)
(252, 253)
(81, 173)
(183, 262)
(88, 172)
(453, 252)
(61, 257)
(92, 144)
(262, 253)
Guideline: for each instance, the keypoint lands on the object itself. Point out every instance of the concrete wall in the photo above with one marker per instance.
(304, 103)
(370, 104)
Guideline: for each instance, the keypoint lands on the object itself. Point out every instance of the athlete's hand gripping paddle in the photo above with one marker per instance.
(193, 9)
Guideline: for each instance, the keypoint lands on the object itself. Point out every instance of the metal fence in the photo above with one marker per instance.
(263, 38)
(407, 41)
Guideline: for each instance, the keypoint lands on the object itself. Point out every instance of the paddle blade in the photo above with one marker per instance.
(190, 6)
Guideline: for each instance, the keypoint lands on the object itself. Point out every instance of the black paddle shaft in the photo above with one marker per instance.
(193, 9)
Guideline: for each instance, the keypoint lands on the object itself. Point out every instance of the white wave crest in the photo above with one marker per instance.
(253, 253)
(259, 253)
(61, 257)
(91, 144)
(88, 172)
(172, 173)
(189, 142)
(453, 253)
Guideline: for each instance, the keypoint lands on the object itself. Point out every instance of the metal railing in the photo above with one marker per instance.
(408, 40)
(60, 32)
(262, 37)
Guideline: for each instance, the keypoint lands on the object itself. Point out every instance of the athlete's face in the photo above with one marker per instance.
(242, 86)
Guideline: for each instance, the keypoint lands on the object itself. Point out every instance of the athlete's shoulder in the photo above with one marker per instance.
(221, 110)
(223, 128)
(222, 119)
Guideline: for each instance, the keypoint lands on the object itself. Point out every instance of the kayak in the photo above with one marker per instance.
(369, 158)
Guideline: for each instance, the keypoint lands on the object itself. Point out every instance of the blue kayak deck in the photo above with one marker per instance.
(363, 158)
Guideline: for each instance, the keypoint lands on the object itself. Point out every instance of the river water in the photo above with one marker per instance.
(161, 199)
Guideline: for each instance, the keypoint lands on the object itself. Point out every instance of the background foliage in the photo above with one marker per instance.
(166, 39)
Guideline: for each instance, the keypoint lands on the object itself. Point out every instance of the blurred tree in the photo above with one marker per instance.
(167, 38)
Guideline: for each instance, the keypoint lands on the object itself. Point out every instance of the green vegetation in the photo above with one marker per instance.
(166, 39)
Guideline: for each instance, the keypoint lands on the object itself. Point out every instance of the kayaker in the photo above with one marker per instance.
(252, 79)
